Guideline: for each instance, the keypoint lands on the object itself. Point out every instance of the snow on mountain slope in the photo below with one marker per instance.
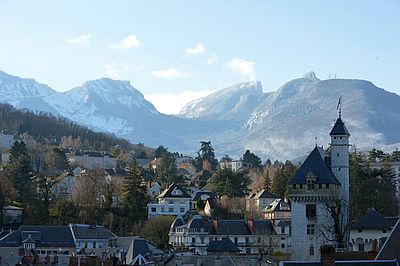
(281, 124)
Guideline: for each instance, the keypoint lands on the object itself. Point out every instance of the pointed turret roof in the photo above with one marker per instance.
(339, 128)
(314, 165)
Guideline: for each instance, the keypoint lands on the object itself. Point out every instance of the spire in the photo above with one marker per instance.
(339, 106)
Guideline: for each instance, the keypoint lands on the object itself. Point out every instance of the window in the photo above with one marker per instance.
(294, 186)
(193, 240)
(311, 250)
(301, 186)
(259, 239)
(361, 247)
(236, 240)
(283, 245)
(310, 229)
(320, 186)
(282, 230)
(247, 240)
(310, 184)
(383, 231)
(182, 209)
(153, 209)
(337, 154)
(248, 250)
(202, 240)
(327, 185)
(311, 210)
(171, 209)
(94, 244)
(360, 230)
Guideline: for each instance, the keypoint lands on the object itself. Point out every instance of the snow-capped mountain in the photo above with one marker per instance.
(281, 124)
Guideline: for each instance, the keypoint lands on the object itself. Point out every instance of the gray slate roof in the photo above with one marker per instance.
(314, 164)
(167, 193)
(138, 247)
(224, 245)
(391, 247)
(264, 194)
(85, 231)
(372, 220)
(44, 236)
(339, 128)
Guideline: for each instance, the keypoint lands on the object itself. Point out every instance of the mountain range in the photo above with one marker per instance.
(283, 124)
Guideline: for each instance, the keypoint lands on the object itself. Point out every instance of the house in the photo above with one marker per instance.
(209, 208)
(260, 200)
(64, 184)
(93, 159)
(12, 215)
(202, 196)
(6, 140)
(369, 232)
(250, 237)
(319, 181)
(44, 240)
(92, 238)
(183, 162)
(234, 165)
(172, 201)
(139, 253)
(278, 210)
(283, 230)
(153, 189)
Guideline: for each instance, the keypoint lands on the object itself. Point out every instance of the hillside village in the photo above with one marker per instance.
(64, 205)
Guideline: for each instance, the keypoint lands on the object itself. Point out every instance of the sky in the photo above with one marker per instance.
(177, 51)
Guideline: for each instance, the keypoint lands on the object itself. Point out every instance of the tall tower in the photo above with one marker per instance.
(340, 156)
(340, 166)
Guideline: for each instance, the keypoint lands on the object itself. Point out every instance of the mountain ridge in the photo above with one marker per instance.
(281, 124)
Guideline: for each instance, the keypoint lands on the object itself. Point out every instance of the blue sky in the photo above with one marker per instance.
(174, 51)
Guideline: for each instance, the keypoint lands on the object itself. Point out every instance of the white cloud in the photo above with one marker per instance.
(111, 70)
(170, 73)
(173, 103)
(198, 49)
(130, 41)
(212, 59)
(243, 68)
(80, 40)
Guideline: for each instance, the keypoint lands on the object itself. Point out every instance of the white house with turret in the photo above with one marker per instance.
(321, 181)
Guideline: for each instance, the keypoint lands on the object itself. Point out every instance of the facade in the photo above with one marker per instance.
(172, 201)
(234, 165)
(370, 231)
(278, 210)
(283, 231)
(260, 200)
(92, 238)
(92, 160)
(64, 185)
(250, 237)
(6, 140)
(320, 181)
(12, 215)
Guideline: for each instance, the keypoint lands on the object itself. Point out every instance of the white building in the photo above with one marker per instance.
(320, 180)
(260, 200)
(6, 140)
(278, 210)
(251, 237)
(172, 201)
(370, 231)
(92, 160)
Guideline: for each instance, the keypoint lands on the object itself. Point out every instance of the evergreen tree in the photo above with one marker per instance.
(249, 157)
(229, 183)
(267, 180)
(282, 178)
(395, 156)
(19, 171)
(134, 193)
(60, 159)
(206, 155)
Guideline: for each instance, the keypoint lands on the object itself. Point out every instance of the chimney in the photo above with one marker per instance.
(327, 255)
(250, 224)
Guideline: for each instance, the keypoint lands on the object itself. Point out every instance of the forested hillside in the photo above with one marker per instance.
(48, 126)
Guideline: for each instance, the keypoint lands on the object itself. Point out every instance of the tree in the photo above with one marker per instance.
(205, 156)
(57, 159)
(395, 156)
(229, 183)
(156, 230)
(7, 194)
(249, 157)
(267, 180)
(166, 171)
(161, 151)
(374, 155)
(19, 170)
(281, 180)
(134, 193)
